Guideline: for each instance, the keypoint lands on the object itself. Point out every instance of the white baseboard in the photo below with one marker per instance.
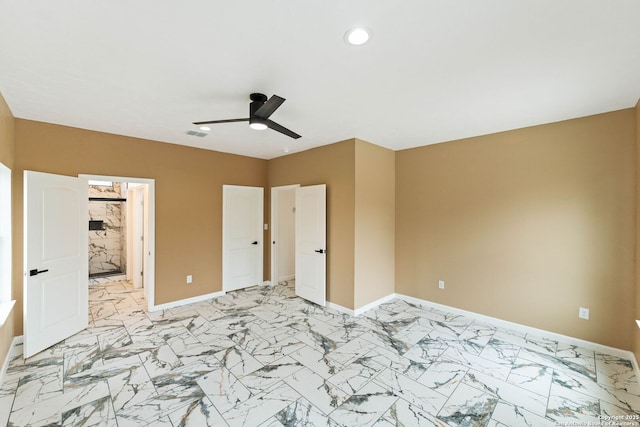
(186, 301)
(5, 365)
(266, 283)
(624, 354)
(358, 311)
(339, 308)
(372, 305)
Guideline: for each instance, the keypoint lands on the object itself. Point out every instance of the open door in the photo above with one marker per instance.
(242, 236)
(56, 214)
(311, 243)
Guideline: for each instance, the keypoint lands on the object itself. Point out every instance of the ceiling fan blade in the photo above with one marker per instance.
(210, 122)
(267, 109)
(279, 128)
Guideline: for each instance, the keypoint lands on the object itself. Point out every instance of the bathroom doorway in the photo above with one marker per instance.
(122, 232)
(108, 223)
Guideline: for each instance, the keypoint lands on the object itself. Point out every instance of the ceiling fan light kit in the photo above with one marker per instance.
(260, 109)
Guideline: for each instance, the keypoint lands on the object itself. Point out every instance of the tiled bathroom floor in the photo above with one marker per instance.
(262, 357)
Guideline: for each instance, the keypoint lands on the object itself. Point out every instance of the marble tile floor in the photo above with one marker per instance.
(263, 357)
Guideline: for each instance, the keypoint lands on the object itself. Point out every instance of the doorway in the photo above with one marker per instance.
(302, 242)
(138, 254)
(283, 229)
(107, 231)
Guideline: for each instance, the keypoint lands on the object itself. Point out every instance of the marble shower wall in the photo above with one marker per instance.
(107, 248)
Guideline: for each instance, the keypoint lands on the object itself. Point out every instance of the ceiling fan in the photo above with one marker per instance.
(260, 109)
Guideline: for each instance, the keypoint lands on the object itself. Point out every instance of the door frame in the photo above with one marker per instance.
(150, 225)
(274, 228)
(136, 235)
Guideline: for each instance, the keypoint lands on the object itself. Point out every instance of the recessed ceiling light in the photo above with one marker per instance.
(286, 150)
(206, 128)
(357, 36)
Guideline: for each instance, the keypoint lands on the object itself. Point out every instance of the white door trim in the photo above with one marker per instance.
(135, 235)
(150, 243)
(274, 229)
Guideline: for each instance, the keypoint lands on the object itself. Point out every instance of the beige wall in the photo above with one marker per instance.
(188, 184)
(7, 158)
(333, 165)
(374, 223)
(525, 226)
(360, 180)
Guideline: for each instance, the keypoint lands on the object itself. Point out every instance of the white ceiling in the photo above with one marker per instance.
(433, 71)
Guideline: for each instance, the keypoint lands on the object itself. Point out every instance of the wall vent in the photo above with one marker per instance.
(196, 133)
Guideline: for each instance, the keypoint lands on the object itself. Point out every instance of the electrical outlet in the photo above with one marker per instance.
(189, 278)
(583, 313)
(441, 284)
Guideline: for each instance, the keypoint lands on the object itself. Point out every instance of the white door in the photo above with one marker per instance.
(311, 243)
(56, 215)
(241, 236)
(135, 234)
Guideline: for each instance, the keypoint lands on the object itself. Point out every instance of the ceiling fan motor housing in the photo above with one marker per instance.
(257, 101)
(258, 97)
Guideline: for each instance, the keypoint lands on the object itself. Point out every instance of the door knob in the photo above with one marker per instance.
(320, 251)
(255, 243)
